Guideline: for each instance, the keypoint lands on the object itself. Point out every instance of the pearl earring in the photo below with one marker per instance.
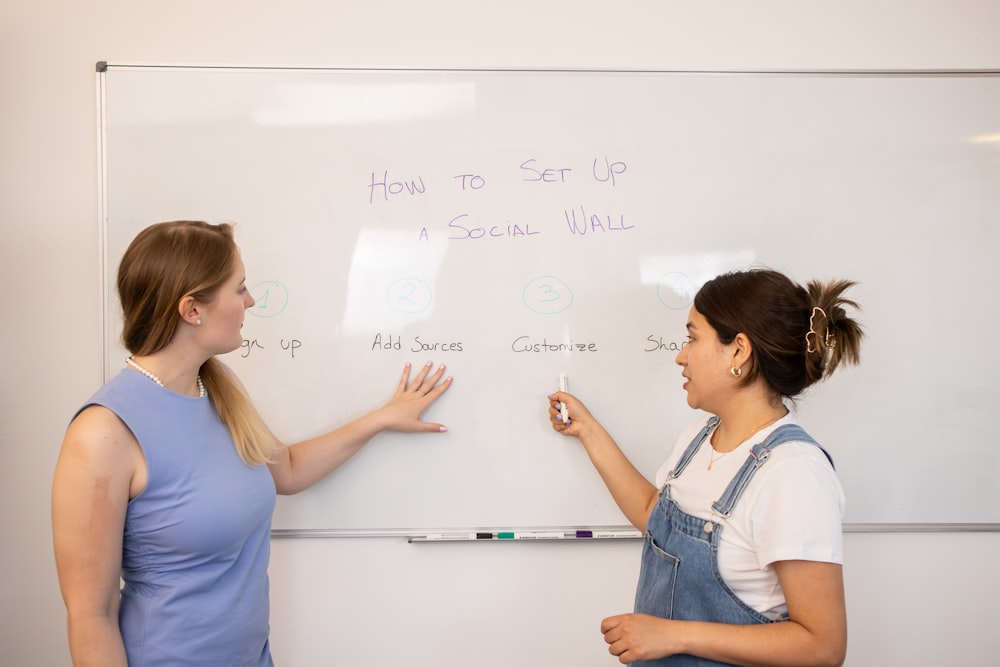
(198, 322)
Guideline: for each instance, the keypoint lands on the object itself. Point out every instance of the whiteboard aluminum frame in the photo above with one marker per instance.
(102, 68)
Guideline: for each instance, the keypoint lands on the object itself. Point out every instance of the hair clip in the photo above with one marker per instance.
(828, 341)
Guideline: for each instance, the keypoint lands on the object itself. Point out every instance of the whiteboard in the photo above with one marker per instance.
(519, 224)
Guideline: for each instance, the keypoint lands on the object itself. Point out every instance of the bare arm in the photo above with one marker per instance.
(100, 467)
(299, 466)
(814, 635)
(633, 493)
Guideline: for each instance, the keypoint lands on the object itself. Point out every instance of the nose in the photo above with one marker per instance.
(249, 301)
(681, 358)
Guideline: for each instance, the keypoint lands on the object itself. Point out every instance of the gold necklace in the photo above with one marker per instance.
(712, 458)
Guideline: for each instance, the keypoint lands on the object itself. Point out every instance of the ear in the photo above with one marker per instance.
(742, 350)
(188, 310)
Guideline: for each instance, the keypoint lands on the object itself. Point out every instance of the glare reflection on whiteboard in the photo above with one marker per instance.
(363, 104)
(389, 284)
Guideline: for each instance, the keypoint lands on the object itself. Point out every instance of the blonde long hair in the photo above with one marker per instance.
(165, 263)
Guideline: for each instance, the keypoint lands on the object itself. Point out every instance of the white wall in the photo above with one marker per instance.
(914, 599)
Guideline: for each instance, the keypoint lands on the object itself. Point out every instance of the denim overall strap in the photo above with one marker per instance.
(692, 448)
(759, 455)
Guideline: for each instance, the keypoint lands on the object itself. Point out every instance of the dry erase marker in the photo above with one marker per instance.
(608, 534)
(616, 534)
(443, 537)
(539, 535)
(563, 410)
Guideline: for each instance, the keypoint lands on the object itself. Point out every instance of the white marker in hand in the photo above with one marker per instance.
(563, 410)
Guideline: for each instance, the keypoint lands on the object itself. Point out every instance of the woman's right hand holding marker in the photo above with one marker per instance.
(578, 417)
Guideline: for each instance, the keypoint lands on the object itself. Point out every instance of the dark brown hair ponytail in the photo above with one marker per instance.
(799, 334)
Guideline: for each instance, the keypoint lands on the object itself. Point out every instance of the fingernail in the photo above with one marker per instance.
(443, 429)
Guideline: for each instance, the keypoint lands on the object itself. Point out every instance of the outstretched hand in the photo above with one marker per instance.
(403, 411)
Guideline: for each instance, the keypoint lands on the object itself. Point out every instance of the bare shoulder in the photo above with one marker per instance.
(96, 429)
(99, 442)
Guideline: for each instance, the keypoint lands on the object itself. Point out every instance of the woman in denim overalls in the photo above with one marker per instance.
(742, 558)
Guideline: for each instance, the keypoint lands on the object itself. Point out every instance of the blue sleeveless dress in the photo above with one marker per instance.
(196, 542)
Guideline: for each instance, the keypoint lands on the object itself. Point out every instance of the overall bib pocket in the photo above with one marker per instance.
(657, 580)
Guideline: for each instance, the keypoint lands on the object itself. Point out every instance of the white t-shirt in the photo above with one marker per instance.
(791, 510)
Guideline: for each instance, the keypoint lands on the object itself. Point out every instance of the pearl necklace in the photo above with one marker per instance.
(135, 364)
(712, 453)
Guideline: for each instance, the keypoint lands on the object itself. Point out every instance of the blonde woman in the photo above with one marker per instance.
(167, 476)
